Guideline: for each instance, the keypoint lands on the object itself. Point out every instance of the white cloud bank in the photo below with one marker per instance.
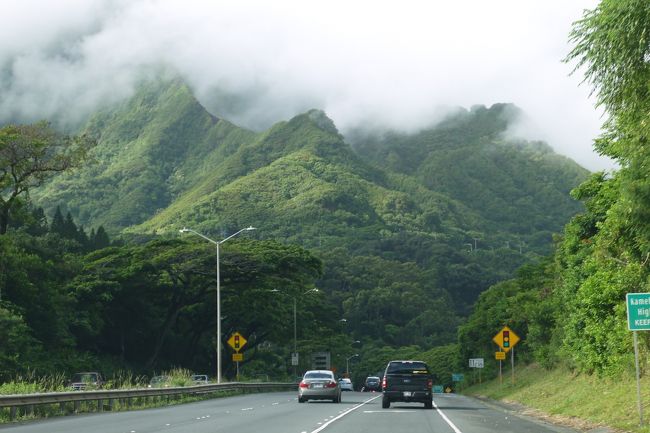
(392, 64)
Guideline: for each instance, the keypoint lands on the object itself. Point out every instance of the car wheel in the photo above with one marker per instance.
(301, 400)
(428, 404)
(385, 403)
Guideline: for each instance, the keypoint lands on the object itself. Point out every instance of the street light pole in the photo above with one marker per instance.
(347, 364)
(295, 323)
(295, 329)
(218, 302)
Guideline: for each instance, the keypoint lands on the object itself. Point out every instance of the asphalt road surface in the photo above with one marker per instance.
(281, 413)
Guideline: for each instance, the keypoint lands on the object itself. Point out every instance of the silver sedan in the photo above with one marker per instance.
(319, 385)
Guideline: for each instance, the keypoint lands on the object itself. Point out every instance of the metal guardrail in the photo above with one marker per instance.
(110, 396)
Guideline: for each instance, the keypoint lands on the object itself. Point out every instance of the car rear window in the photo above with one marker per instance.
(408, 368)
(318, 376)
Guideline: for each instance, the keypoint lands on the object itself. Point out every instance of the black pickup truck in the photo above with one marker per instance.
(407, 381)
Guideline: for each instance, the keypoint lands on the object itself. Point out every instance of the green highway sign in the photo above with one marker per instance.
(638, 311)
(457, 377)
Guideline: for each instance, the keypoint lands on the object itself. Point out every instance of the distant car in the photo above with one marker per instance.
(373, 383)
(159, 382)
(319, 385)
(346, 384)
(407, 381)
(200, 379)
(86, 380)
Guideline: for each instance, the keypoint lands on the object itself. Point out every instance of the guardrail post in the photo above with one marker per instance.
(30, 410)
(77, 406)
(62, 408)
(12, 413)
(111, 402)
(100, 405)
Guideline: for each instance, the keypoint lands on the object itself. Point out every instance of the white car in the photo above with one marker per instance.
(319, 385)
(346, 384)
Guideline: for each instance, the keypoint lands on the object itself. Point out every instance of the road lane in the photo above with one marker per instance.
(254, 413)
(470, 415)
(454, 414)
(281, 413)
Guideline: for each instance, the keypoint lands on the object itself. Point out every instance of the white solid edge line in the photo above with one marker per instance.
(321, 428)
(447, 420)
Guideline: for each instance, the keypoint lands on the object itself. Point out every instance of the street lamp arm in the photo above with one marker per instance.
(234, 234)
(186, 230)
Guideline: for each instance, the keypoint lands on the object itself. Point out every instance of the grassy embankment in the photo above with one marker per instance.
(576, 400)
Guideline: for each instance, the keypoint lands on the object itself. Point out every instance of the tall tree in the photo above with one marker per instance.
(613, 48)
(30, 154)
(69, 228)
(99, 239)
(58, 224)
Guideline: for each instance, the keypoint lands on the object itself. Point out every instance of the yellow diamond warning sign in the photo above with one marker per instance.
(236, 341)
(506, 339)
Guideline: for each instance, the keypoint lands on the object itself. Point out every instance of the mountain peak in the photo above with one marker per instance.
(322, 121)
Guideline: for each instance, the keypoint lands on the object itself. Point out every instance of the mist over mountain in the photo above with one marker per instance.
(451, 209)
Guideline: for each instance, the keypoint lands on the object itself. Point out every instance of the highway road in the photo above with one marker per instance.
(281, 413)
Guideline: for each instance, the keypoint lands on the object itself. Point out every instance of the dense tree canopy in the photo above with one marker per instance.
(29, 154)
(573, 308)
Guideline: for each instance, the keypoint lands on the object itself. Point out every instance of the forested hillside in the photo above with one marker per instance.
(408, 229)
(431, 198)
(570, 308)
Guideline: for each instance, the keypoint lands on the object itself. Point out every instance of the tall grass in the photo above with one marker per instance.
(30, 383)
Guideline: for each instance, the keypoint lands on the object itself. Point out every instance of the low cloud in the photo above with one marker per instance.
(393, 65)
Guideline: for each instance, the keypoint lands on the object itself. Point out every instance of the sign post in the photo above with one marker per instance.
(500, 356)
(237, 342)
(638, 319)
(458, 377)
(477, 363)
(506, 339)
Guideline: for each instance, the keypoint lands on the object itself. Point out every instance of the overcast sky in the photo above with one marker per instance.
(390, 64)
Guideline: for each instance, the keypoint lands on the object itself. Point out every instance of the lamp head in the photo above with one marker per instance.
(250, 228)
(184, 230)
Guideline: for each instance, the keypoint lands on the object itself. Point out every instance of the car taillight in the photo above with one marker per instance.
(304, 385)
(330, 384)
(430, 383)
(383, 383)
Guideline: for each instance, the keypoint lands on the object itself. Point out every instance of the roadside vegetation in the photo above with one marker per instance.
(570, 307)
(32, 383)
(566, 397)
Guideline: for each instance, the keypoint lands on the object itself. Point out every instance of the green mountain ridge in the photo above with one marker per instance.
(426, 200)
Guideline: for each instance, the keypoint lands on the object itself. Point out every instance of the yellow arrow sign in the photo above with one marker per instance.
(237, 341)
(500, 356)
(506, 339)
